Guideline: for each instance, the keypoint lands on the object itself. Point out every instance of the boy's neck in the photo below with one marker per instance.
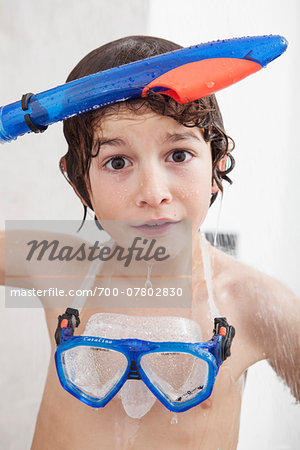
(188, 262)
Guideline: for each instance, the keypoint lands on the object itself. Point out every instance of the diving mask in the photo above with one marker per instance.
(179, 374)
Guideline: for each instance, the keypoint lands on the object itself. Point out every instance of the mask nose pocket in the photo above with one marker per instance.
(136, 398)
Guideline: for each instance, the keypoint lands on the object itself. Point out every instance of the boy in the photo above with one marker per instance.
(155, 160)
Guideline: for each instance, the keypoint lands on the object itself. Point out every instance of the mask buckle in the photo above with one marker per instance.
(70, 320)
(227, 332)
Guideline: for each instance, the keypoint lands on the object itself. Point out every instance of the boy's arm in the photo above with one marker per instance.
(280, 332)
(17, 245)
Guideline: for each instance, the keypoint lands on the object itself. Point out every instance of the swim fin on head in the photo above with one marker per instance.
(185, 75)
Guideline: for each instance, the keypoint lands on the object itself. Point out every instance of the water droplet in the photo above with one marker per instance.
(210, 84)
(148, 284)
(174, 419)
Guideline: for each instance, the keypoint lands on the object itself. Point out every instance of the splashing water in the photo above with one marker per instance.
(148, 284)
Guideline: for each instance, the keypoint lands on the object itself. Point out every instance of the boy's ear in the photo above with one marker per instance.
(222, 166)
(63, 166)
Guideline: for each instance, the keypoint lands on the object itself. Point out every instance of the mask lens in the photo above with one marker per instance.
(93, 370)
(179, 376)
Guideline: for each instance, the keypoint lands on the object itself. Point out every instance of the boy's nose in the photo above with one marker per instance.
(152, 189)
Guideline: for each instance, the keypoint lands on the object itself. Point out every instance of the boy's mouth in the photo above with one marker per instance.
(155, 227)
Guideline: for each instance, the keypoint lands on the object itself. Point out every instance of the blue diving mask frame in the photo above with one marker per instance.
(135, 359)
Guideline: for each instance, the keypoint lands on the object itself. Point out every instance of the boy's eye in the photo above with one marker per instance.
(119, 162)
(116, 163)
(180, 155)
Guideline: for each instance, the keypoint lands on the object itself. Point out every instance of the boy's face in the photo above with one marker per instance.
(150, 167)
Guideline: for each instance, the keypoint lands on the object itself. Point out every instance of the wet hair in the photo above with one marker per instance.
(78, 130)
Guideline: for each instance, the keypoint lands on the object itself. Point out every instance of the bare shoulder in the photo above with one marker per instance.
(247, 285)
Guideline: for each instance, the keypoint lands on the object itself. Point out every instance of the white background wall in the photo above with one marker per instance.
(40, 43)
(261, 114)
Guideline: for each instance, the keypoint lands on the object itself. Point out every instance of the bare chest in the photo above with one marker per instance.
(211, 425)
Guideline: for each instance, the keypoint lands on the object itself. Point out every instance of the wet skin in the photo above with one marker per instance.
(150, 167)
(240, 294)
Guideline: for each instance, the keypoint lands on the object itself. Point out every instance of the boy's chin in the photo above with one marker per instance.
(157, 247)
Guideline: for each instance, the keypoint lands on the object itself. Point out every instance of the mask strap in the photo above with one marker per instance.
(70, 320)
(89, 280)
(221, 326)
(207, 269)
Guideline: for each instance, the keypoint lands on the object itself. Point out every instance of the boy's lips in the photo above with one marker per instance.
(156, 226)
(156, 221)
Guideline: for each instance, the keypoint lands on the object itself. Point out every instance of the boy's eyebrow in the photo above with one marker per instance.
(175, 137)
(114, 141)
(170, 137)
